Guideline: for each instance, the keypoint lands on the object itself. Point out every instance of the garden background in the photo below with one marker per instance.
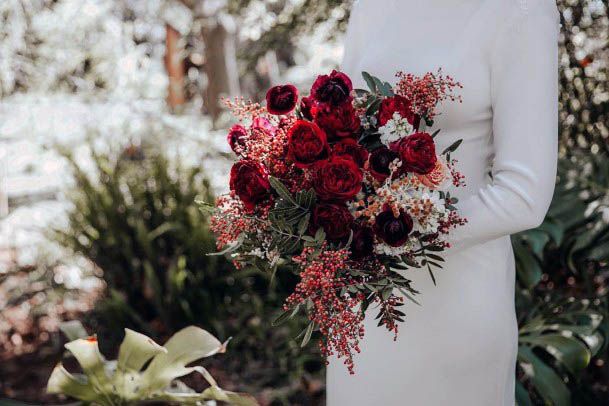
(110, 130)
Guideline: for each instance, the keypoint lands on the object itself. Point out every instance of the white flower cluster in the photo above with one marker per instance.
(395, 129)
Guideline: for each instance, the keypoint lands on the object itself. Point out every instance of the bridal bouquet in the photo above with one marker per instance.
(345, 188)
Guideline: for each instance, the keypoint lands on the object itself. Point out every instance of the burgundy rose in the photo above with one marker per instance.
(307, 144)
(249, 180)
(264, 125)
(397, 104)
(281, 99)
(236, 138)
(339, 179)
(334, 218)
(308, 107)
(393, 230)
(362, 245)
(379, 162)
(334, 89)
(351, 148)
(417, 153)
(338, 121)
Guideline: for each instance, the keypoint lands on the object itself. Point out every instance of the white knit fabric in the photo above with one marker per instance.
(459, 347)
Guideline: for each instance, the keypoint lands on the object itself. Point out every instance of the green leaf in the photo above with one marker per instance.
(453, 147)
(522, 396)
(370, 82)
(185, 346)
(135, 350)
(374, 107)
(547, 383)
(307, 335)
(569, 351)
(63, 382)
(281, 190)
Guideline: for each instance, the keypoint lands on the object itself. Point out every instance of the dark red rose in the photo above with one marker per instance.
(417, 153)
(281, 99)
(338, 121)
(339, 178)
(393, 230)
(379, 162)
(362, 244)
(308, 105)
(334, 88)
(307, 144)
(334, 218)
(236, 138)
(264, 125)
(397, 104)
(249, 180)
(349, 147)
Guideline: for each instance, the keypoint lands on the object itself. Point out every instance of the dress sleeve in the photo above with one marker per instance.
(524, 98)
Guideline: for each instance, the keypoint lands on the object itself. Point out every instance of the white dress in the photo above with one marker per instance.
(459, 348)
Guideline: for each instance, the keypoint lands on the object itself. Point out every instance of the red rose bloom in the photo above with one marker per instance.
(236, 138)
(417, 153)
(349, 147)
(281, 99)
(249, 180)
(393, 230)
(307, 144)
(396, 104)
(335, 219)
(338, 121)
(362, 245)
(339, 178)
(379, 162)
(308, 107)
(334, 89)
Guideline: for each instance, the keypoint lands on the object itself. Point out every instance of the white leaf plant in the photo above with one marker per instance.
(144, 371)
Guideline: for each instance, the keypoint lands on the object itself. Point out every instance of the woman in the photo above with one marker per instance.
(459, 348)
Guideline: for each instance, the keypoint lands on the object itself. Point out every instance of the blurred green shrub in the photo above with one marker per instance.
(135, 217)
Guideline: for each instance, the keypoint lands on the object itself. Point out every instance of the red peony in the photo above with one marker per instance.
(417, 153)
(334, 218)
(379, 162)
(394, 231)
(307, 144)
(396, 104)
(281, 99)
(351, 148)
(362, 245)
(334, 89)
(339, 178)
(249, 180)
(338, 121)
(236, 138)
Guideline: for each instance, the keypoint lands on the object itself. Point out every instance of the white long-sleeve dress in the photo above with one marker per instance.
(459, 348)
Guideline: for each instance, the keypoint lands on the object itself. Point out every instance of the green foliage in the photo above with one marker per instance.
(136, 218)
(563, 325)
(143, 372)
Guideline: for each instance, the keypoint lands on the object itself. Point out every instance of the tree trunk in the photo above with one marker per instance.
(220, 67)
(174, 64)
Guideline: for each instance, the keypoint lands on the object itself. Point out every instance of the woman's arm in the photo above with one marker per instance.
(524, 83)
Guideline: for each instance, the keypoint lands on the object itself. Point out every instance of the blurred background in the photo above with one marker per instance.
(111, 128)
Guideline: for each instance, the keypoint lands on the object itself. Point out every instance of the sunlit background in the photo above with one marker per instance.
(111, 128)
